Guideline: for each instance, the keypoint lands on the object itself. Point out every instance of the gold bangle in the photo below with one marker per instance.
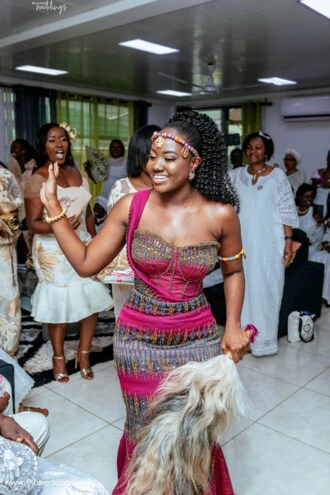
(57, 217)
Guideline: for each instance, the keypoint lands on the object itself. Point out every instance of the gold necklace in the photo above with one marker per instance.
(254, 175)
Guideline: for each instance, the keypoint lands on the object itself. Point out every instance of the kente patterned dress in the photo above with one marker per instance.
(62, 296)
(165, 323)
(10, 314)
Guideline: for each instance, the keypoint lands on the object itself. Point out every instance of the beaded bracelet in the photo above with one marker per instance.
(57, 217)
(233, 258)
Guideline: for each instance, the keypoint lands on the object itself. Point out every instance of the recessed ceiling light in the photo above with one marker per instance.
(169, 92)
(278, 81)
(146, 46)
(41, 70)
(320, 6)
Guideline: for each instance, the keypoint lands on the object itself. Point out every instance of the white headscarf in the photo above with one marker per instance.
(295, 154)
(101, 200)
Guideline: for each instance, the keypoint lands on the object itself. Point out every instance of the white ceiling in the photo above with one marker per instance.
(248, 39)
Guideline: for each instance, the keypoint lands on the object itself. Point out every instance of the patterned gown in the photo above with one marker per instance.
(10, 313)
(165, 323)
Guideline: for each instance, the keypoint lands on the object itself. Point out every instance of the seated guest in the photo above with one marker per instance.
(296, 177)
(321, 180)
(22, 473)
(314, 228)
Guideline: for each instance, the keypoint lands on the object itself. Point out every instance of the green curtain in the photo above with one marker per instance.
(97, 121)
(252, 118)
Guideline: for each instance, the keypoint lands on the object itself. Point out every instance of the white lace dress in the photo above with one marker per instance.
(120, 292)
(62, 296)
(22, 473)
(316, 235)
(265, 208)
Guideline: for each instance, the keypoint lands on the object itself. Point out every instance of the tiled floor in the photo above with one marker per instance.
(281, 447)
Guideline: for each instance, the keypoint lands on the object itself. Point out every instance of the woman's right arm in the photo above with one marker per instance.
(89, 259)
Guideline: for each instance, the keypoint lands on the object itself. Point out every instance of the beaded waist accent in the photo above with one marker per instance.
(152, 306)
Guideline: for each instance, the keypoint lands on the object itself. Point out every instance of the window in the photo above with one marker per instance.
(229, 122)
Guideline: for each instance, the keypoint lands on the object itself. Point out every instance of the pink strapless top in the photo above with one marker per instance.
(179, 270)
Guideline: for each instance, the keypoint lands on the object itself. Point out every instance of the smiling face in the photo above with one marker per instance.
(256, 151)
(306, 199)
(57, 145)
(166, 166)
(116, 149)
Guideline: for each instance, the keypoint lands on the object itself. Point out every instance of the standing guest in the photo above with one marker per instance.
(296, 177)
(25, 155)
(10, 314)
(317, 232)
(236, 158)
(173, 233)
(61, 295)
(100, 212)
(267, 216)
(321, 180)
(138, 180)
(116, 166)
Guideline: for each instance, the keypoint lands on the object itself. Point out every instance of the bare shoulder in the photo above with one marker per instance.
(43, 171)
(221, 211)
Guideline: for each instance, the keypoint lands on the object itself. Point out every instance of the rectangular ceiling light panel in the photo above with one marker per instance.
(41, 70)
(169, 92)
(278, 81)
(320, 6)
(147, 46)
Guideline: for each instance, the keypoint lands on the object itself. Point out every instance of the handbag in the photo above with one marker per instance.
(301, 326)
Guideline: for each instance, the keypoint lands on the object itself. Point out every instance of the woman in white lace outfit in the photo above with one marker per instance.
(61, 296)
(137, 180)
(23, 473)
(321, 180)
(10, 314)
(267, 215)
(295, 176)
(318, 233)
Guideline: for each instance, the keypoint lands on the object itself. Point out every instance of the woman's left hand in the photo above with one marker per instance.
(236, 342)
(288, 255)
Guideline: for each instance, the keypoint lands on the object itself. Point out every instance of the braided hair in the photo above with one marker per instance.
(212, 178)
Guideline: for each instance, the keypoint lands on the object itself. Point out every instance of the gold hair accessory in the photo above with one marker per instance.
(57, 217)
(72, 133)
(159, 138)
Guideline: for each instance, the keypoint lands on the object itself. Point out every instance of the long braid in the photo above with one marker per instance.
(212, 178)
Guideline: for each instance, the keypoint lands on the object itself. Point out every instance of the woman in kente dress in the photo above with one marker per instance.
(61, 296)
(175, 233)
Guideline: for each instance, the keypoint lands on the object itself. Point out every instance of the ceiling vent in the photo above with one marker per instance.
(306, 108)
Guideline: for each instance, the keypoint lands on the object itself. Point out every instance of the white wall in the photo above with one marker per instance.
(159, 114)
(311, 139)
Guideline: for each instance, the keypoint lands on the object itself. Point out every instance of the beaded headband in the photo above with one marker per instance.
(72, 133)
(159, 138)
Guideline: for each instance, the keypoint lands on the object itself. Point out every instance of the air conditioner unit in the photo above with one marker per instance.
(306, 108)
